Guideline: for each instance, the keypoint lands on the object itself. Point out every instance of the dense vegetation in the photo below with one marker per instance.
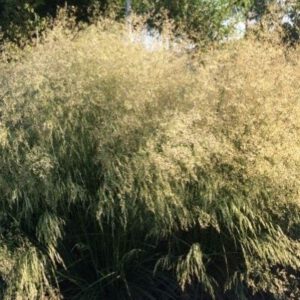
(128, 174)
(204, 21)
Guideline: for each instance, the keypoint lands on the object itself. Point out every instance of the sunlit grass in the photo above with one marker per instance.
(129, 174)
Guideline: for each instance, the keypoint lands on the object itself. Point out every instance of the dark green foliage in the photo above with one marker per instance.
(292, 28)
(201, 20)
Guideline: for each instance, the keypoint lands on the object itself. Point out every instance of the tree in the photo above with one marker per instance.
(203, 20)
(284, 14)
(19, 18)
(292, 25)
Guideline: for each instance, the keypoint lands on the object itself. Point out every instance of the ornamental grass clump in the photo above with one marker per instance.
(129, 174)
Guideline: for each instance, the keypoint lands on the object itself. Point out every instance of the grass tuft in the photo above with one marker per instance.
(129, 174)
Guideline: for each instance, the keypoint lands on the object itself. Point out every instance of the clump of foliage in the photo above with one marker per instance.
(273, 17)
(128, 174)
(202, 20)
